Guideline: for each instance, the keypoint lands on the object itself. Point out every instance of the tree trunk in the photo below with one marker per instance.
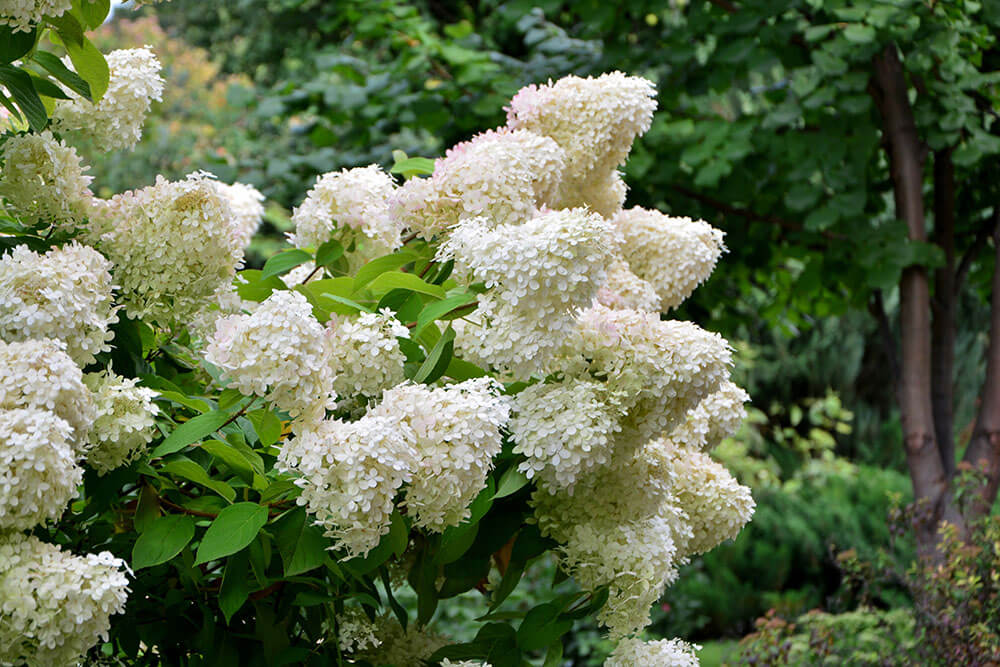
(984, 448)
(927, 472)
(943, 332)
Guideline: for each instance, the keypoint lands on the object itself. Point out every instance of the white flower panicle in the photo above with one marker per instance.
(65, 294)
(540, 275)
(564, 429)
(116, 120)
(715, 505)
(717, 417)
(662, 653)
(663, 369)
(22, 15)
(499, 176)
(402, 648)
(356, 632)
(54, 606)
(674, 254)
(279, 351)
(364, 353)
(601, 193)
(456, 434)
(595, 121)
(126, 416)
(247, 204)
(39, 374)
(624, 290)
(350, 206)
(38, 470)
(173, 244)
(43, 181)
(349, 473)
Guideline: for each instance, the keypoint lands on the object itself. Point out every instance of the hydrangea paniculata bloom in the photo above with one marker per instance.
(54, 605)
(356, 632)
(661, 653)
(43, 181)
(540, 274)
(402, 648)
(279, 351)
(349, 473)
(352, 207)
(65, 294)
(624, 290)
(38, 470)
(22, 15)
(718, 416)
(247, 204)
(499, 176)
(39, 374)
(116, 120)
(674, 254)
(364, 353)
(125, 421)
(456, 434)
(173, 244)
(564, 429)
(595, 121)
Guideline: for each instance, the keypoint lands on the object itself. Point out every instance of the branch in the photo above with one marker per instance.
(977, 246)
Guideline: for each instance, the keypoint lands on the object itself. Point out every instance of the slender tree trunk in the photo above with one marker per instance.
(927, 472)
(984, 448)
(943, 332)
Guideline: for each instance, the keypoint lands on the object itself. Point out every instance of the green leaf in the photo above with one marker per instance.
(162, 540)
(232, 457)
(22, 89)
(437, 361)
(859, 33)
(47, 88)
(554, 654)
(54, 66)
(393, 543)
(512, 481)
(455, 541)
(460, 369)
(267, 425)
(193, 472)
(329, 252)
(380, 265)
(453, 305)
(413, 166)
(391, 280)
(541, 627)
(13, 45)
(284, 262)
(256, 288)
(191, 431)
(234, 529)
(301, 545)
(87, 59)
(93, 12)
(196, 404)
(234, 591)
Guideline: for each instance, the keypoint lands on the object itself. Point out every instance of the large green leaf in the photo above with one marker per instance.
(302, 545)
(235, 587)
(20, 86)
(162, 539)
(284, 262)
(391, 280)
(234, 528)
(193, 472)
(14, 44)
(65, 75)
(191, 431)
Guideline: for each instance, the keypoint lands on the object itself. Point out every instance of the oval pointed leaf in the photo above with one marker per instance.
(191, 431)
(234, 528)
(162, 539)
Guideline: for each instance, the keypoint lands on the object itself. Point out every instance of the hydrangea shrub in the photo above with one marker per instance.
(454, 369)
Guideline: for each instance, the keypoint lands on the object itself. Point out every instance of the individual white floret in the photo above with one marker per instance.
(173, 244)
(662, 653)
(38, 470)
(126, 417)
(623, 290)
(22, 15)
(279, 351)
(456, 431)
(55, 606)
(674, 254)
(352, 207)
(498, 176)
(115, 121)
(364, 353)
(65, 294)
(349, 473)
(43, 181)
(39, 374)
